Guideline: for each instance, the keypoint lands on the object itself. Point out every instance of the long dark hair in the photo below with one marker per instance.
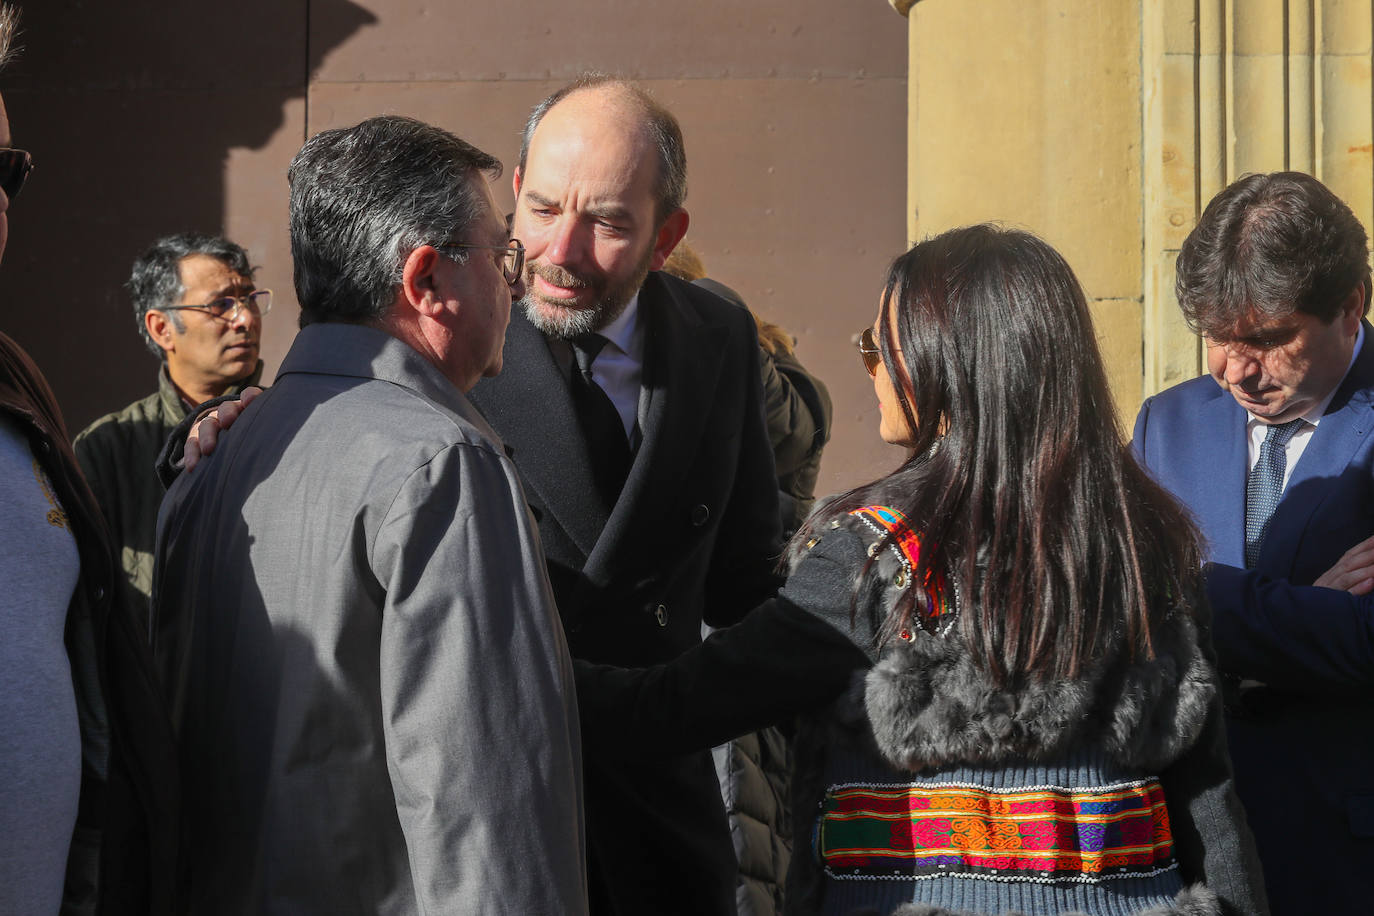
(1023, 490)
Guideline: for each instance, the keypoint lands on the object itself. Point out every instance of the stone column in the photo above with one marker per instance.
(1106, 128)
(1028, 112)
(1240, 87)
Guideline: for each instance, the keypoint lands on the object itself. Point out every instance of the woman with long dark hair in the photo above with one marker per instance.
(1039, 730)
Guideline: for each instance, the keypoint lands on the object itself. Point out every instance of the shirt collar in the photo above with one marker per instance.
(624, 331)
(1314, 415)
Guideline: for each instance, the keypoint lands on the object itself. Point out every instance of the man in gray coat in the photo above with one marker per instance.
(370, 684)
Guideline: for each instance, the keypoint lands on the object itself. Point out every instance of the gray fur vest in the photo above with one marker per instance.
(930, 706)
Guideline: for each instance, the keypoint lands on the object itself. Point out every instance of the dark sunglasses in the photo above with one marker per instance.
(15, 165)
(869, 352)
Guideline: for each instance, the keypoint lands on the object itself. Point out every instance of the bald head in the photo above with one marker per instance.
(640, 113)
(592, 205)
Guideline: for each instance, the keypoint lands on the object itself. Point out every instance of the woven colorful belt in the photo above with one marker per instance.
(1041, 833)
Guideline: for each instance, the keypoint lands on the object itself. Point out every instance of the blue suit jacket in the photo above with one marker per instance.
(1302, 746)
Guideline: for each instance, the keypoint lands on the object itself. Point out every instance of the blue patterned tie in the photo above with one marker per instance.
(1265, 486)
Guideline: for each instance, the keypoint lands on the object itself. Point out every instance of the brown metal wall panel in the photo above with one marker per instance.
(255, 215)
(154, 44)
(534, 39)
(151, 118)
(135, 113)
(113, 171)
(797, 194)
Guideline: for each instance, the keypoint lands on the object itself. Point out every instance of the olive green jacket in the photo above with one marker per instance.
(118, 454)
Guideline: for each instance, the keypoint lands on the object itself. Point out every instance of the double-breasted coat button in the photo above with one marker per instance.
(99, 593)
(700, 513)
(661, 615)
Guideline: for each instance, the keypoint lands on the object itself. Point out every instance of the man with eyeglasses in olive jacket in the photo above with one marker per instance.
(198, 310)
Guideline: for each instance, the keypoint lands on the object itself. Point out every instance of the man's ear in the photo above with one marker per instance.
(515, 181)
(669, 234)
(418, 282)
(160, 329)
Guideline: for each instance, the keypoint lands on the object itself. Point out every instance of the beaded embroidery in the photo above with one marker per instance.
(1042, 834)
(905, 545)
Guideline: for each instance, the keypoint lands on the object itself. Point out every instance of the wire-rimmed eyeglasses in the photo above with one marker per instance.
(258, 303)
(512, 262)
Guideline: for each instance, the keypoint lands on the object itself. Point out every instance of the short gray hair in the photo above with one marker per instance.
(155, 282)
(363, 198)
(670, 188)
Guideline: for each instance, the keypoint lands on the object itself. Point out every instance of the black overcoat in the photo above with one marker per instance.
(694, 536)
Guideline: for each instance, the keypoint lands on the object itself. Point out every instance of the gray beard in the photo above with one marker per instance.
(569, 323)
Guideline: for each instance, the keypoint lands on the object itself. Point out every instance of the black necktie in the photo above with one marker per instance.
(609, 446)
(1265, 485)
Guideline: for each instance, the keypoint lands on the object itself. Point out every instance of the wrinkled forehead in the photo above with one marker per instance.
(205, 271)
(581, 145)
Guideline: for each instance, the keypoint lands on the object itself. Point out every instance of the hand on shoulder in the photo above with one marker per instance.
(204, 435)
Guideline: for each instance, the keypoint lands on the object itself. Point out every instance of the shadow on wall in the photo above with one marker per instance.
(130, 110)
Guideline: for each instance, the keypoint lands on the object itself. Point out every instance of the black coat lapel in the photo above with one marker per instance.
(531, 408)
(1347, 423)
(682, 360)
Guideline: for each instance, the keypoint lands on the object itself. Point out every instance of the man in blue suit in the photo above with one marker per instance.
(1274, 455)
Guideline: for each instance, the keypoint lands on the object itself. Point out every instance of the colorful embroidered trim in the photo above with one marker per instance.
(886, 520)
(1040, 834)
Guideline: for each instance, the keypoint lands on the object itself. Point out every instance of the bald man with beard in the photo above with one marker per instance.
(631, 402)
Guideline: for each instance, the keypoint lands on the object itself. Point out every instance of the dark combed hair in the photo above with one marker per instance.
(670, 190)
(363, 198)
(1269, 245)
(155, 281)
(1062, 548)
